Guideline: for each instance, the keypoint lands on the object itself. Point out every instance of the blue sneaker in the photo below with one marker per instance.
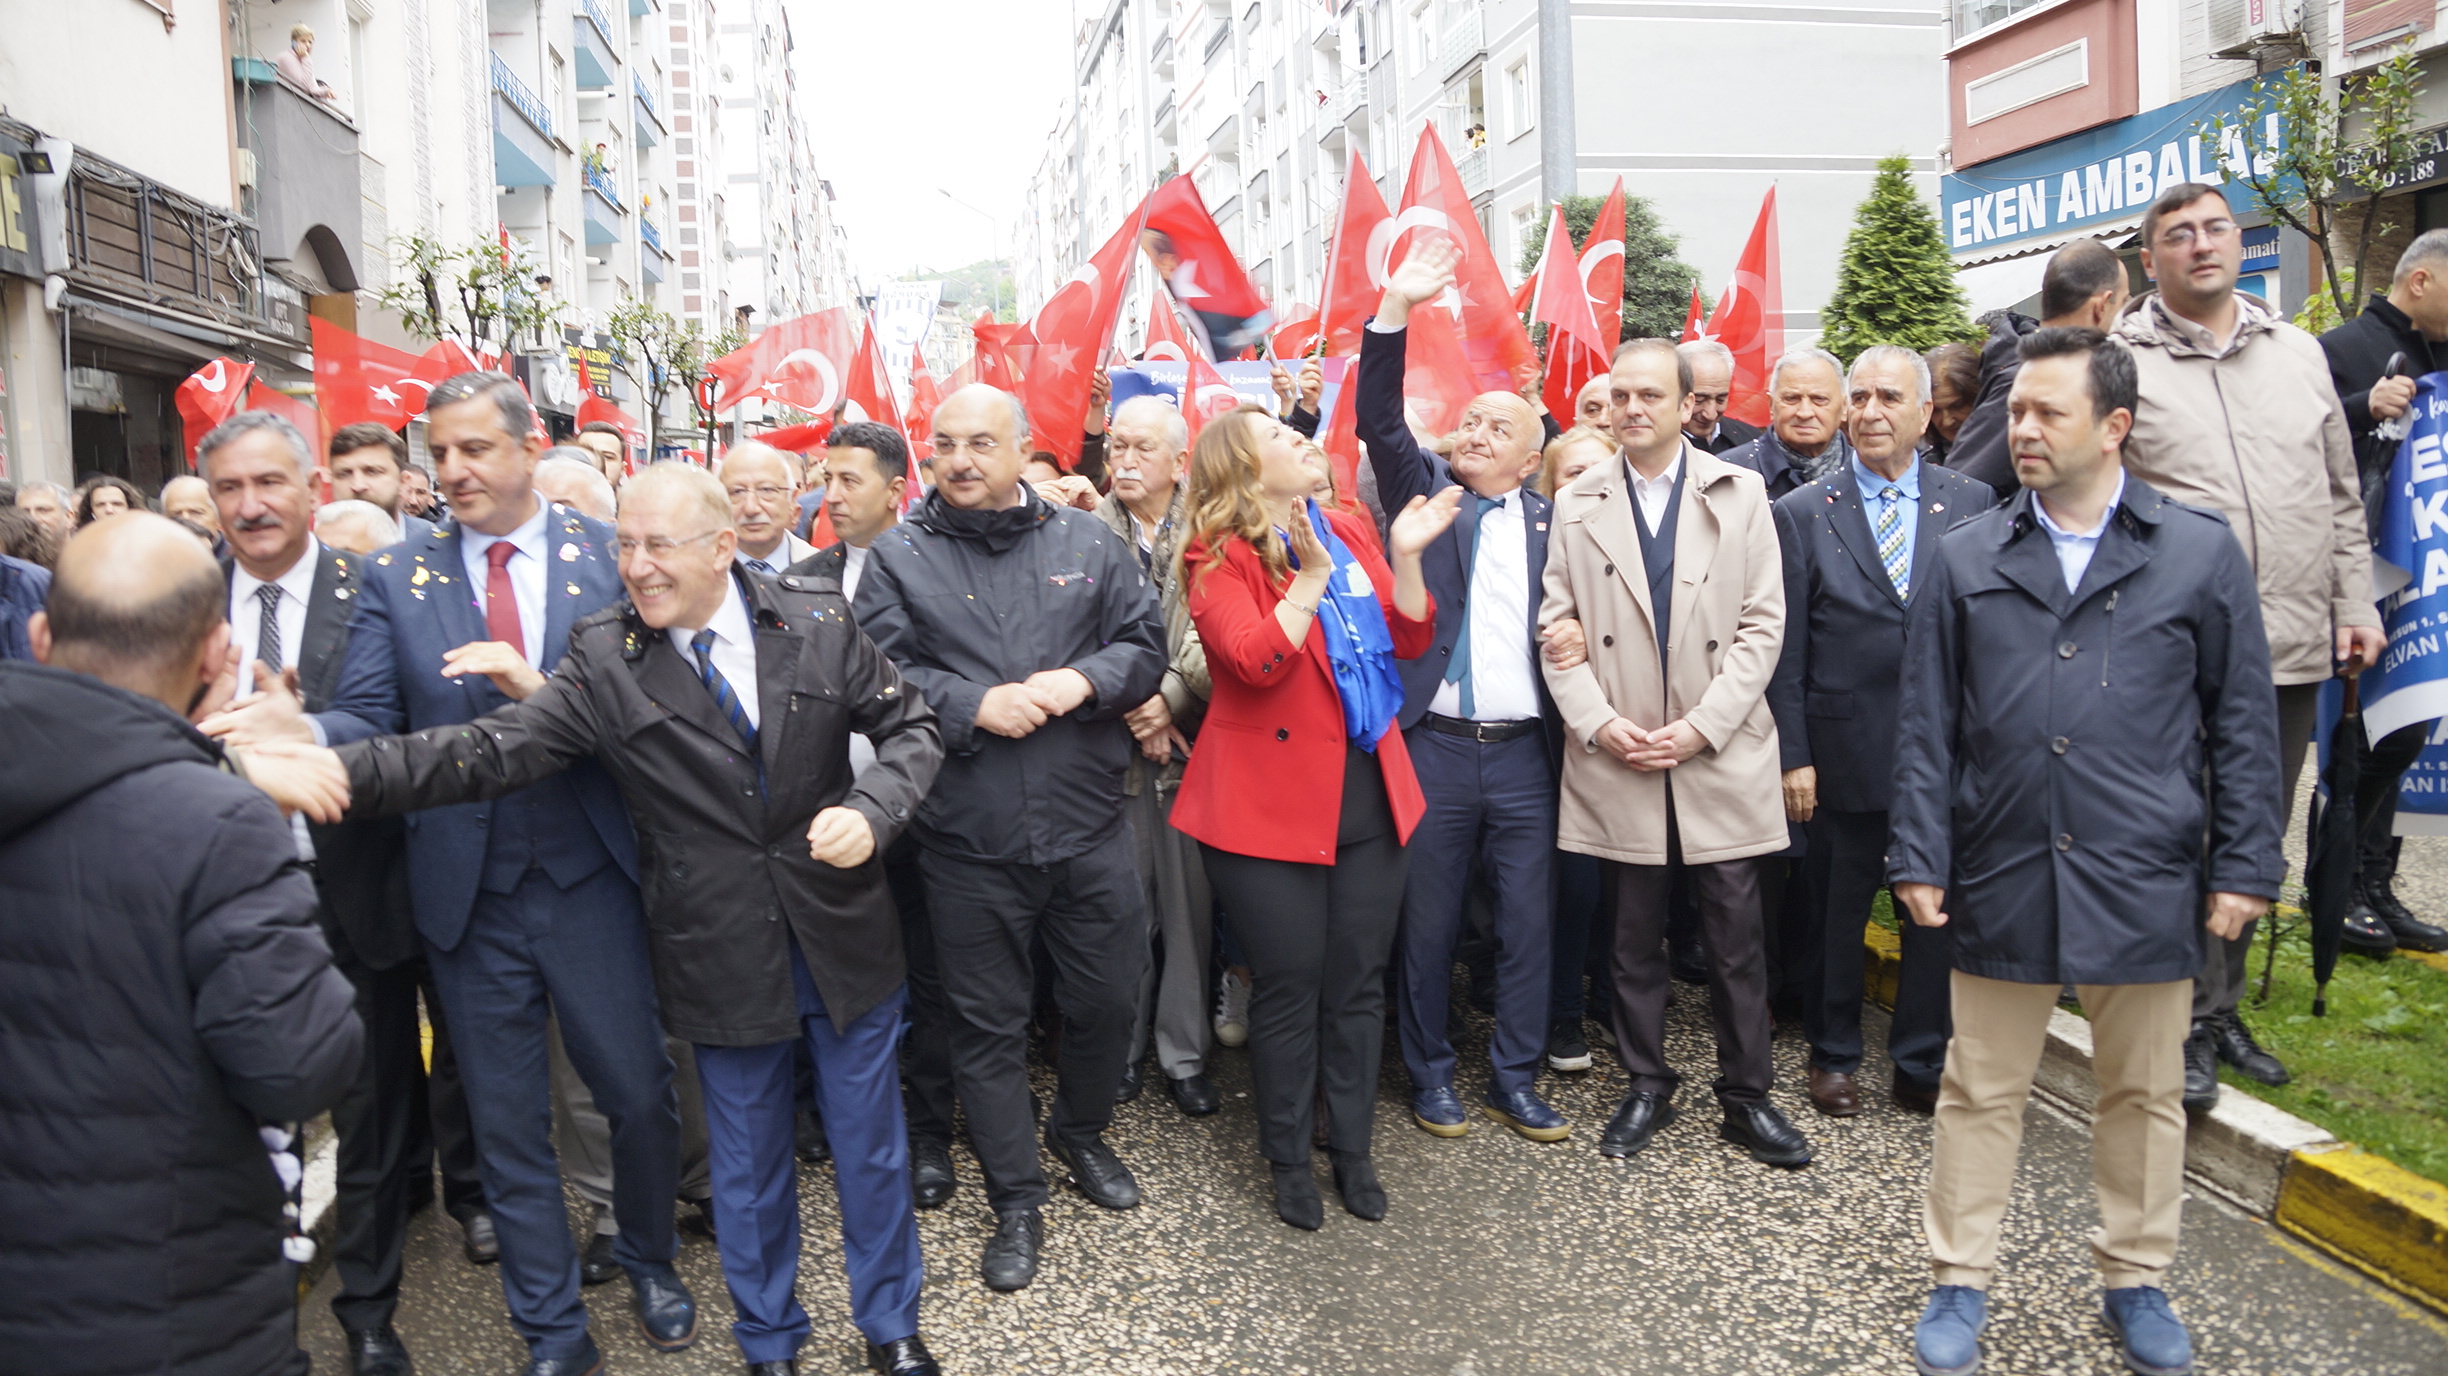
(1439, 1111)
(2154, 1339)
(1947, 1340)
(1527, 1114)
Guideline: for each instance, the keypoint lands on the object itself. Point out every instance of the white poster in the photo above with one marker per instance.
(903, 311)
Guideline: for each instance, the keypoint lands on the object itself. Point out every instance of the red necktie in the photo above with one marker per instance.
(501, 602)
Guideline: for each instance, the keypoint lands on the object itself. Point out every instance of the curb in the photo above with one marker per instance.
(2363, 1209)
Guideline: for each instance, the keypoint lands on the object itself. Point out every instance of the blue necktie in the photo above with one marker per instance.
(720, 687)
(1458, 672)
(759, 565)
(1891, 540)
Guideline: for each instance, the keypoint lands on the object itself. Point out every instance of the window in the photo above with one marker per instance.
(1523, 224)
(1423, 39)
(1521, 116)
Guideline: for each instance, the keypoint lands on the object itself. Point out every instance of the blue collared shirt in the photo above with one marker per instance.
(2074, 551)
(1875, 507)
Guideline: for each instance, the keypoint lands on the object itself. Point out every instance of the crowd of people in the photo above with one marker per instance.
(699, 852)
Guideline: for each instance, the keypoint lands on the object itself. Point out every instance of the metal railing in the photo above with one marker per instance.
(595, 15)
(1164, 112)
(1341, 102)
(1464, 42)
(1223, 35)
(646, 97)
(652, 235)
(510, 88)
(141, 239)
(1473, 165)
(600, 183)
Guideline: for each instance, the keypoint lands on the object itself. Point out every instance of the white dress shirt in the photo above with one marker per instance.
(2074, 550)
(854, 563)
(527, 570)
(1499, 607)
(789, 552)
(1653, 493)
(734, 651)
(246, 631)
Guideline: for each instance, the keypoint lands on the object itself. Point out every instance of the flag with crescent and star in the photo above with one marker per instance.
(211, 395)
(1750, 317)
(1436, 203)
(1073, 330)
(1226, 315)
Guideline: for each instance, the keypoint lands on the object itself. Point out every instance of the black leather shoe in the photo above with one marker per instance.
(902, 1357)
(595, 1265)
(2366, 933)
(1010, 1262)
(1640, 1118)
(666, 1311)
(1296, 1196)
(1194, 1095)
(2412, 932)
(1099, 1173)
(808, 1138)
(2201, 1086)
(1134, 1079)
(2237, 1048)
(1688, 963)
(587, 1363)
(785, 1367)
(1355, 1179)
(377, 1352)
(1762, 1131)
(701, 1216)
(478, 1239)
(931, 1178)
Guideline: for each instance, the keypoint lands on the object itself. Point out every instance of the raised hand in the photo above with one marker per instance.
(1426, 273)
(1308, 551)
(509, 670)
(1312, 383)
(1422, 521)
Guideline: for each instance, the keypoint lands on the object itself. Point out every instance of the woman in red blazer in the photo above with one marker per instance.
(1299, 791)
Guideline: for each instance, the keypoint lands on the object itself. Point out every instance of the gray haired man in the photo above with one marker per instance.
(1806, 410)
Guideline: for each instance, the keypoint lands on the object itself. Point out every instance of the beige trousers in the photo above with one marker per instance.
(2137, 1132)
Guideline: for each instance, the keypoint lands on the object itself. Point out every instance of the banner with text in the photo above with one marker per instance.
(2410, 568)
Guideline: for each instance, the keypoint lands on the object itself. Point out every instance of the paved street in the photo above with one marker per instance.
(1502, 1257)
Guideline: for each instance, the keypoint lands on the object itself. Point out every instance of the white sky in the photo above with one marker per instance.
(905, 96)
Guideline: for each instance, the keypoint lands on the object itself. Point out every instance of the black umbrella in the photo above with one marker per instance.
(2330, 839)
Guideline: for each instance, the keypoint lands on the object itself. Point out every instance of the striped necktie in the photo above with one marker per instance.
(1891, 540)
(720, 687)
(267, 634)
(759, 565)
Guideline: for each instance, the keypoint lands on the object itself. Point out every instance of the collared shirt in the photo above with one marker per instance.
(2074, 551)
(854, 563)
(1499, 607)
(526, 570)
(246, 631)
(1654, 493)
(1875, 506)
(789, 552)
(2197, 332)
(734, 651)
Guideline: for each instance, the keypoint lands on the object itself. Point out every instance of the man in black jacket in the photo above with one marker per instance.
(1708, 426)
(2084, 287)
(722, 704)
(2411, 320)
(1031, 629)
(161, 1000)
(1805, 439)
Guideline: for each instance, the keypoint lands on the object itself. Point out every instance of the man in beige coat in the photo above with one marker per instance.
(2238, 414)
(1668, 560)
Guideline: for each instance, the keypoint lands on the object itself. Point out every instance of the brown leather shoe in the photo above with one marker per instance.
(1831, 1092)
(1912, 1096)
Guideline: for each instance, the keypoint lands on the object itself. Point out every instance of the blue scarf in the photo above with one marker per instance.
(1358, 643)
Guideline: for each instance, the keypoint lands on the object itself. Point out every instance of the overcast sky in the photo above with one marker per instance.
(902, 98)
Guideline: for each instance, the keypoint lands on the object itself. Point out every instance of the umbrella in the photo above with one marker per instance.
(2330, 832)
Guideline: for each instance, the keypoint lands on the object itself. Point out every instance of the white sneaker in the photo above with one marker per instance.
(1232, 1010)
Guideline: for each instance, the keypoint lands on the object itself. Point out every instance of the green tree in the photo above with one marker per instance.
(1657, 285)
(1896, 282)
(657, 351)
(482, 291)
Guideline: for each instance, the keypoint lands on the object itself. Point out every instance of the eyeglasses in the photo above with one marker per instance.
(657, 546)
(762, 494)
(984, 446)
(2181, 236)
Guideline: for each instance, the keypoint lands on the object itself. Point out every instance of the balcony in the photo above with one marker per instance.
(1473, 165)
(309, 203)
(523, 151)
(1381, 80)
(1225, 141)
(1464, 43)
(1343, 102)
(1217, 42)
(652, 236)
(604, 211)
(649, 119)
(1165, 118)
(596, 52)
(1161, 56)
(138, 240)
(654, 263)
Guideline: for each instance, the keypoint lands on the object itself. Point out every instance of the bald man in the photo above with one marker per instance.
(186, 497)
(1481, 729)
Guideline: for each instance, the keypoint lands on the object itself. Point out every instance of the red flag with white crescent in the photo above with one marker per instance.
(1692, 326)
(1750, 317)
(211, 395)
(1072, 330)
(1355, 271)
(1602, 267)
(1435, 202)
(358, 380)
(800, 362)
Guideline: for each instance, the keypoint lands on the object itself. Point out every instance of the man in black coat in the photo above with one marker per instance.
(767, 921)
(1805, 439)
(2083, 287)
(166, 990)
(2411, 320)
(1858, 546)
(1031, 629)
(2085, 771)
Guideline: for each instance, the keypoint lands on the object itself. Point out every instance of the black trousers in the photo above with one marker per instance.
(1726, 895)
(926, 1054)
(2385, 761)
(1089, 914)
(1318, 939)
(1848, 865)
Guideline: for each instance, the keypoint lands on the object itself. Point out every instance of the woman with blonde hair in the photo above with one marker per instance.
(1301, 793)
(1569, 455)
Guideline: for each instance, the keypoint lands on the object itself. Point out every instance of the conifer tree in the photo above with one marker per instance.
(1896, 283)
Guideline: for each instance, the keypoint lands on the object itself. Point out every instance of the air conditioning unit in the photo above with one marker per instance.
(2237, 27)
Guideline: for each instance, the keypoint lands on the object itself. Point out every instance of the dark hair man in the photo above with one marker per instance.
(2083, 287)
(2017, 824)
(1030, 629)
(2238, 415)
(610, 447)
(367, 464)
(163, 998)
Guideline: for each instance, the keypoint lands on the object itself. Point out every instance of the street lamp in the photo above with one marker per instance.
(994, 240)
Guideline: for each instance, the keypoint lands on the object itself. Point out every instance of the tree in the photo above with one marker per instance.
(1896, 281)
(657, 351)
(483, 292)
(2318, 169)
(1657, 285)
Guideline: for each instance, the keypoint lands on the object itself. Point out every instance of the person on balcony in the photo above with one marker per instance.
(296, 65)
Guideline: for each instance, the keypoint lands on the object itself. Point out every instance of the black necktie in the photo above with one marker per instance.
(267, 635)
(720, 687)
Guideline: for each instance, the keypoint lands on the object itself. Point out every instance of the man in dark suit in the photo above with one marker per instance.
(1477, 720)
(1855, 543)
(1804, 441)
(1708, 427)
(291, 599)
(528, 906)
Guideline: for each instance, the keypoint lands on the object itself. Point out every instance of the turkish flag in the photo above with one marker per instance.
(1198, 268)
(1165, 338)
(1437, 380)
(359, 380)
(1003, 352)
(799, 362)
(446, 360)
(1298, 331)
(1356, 269)
(1205, 395)
(1072, 331)
(211, 395)
(918, 422)
(1602, 267)
(798, 439)
(1692, 326)
(1492, 335)
(594, 407)
(869, 387)
(1750, 317)
(289, 408)
(1576, 343)
(1341, 441)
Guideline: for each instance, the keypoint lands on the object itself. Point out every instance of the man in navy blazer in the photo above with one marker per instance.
(1477, 719)
(1856, 545)
(528, 905)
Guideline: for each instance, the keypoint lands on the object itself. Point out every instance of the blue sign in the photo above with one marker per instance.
(2099, 177)
(1254, 380)
(2410, 566)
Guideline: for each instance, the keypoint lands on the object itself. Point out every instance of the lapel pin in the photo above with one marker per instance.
(1936, 507)
(569, 554)
(573, 590)
(341, 593)
(383, 559)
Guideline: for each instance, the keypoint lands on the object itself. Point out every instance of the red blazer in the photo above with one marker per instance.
(1266, 777)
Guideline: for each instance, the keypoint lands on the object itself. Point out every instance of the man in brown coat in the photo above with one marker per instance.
(1667, 558)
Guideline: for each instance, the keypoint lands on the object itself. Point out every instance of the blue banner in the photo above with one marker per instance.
(2410, 572)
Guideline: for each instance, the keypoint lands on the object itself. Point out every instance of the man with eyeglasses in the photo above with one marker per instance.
(1708, 426)
(2238, 415)
(764, 503)
(1031, 629)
